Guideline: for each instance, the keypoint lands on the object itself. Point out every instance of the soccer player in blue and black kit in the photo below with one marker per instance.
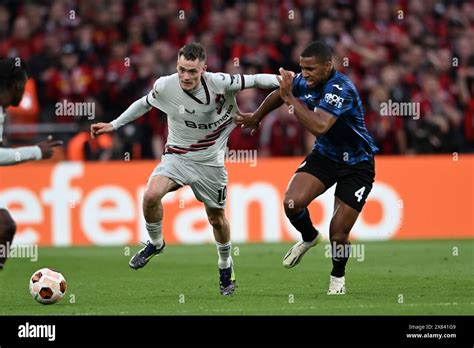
(327, 104)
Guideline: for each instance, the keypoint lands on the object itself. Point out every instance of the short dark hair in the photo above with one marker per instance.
(193, 51)
(12, 70)
(319, 50)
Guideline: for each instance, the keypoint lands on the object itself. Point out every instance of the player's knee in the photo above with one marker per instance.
(217, 221)
(151, 197)
(292, 205)
(7, 225)
(9, 229)
(338, 235)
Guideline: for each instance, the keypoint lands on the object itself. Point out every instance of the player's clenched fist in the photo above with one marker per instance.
(47, 147)
(247, 120)
(100, 128)
(286, 83)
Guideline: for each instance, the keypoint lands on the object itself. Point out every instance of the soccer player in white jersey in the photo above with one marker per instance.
(13, 79)
(200, 106)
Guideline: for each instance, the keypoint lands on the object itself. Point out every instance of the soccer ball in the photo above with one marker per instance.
(47, 286)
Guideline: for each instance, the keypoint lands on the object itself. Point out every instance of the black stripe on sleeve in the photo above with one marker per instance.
(148, 101)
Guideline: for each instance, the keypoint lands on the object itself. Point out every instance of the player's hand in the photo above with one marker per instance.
(286, 83)
(47, 146)
(247, 120)
(100, 128)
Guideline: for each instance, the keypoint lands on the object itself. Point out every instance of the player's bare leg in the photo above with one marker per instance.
(344, 218)
(220, 226)
(219, 223)
(158, 186)
(7, 232)
(302, 190)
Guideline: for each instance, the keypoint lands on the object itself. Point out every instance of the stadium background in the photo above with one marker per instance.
(83, 206)
(109, 53)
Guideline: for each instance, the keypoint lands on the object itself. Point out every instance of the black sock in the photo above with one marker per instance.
(6, 238)
(303, 224)
(340, 255)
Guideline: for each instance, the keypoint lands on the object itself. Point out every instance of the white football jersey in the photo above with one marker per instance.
(199, 122)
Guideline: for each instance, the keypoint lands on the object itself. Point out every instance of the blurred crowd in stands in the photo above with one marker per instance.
(110, 53)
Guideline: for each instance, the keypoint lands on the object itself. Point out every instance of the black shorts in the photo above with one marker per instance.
(354, 182)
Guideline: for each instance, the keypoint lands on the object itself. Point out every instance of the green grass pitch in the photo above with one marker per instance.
(395, 278)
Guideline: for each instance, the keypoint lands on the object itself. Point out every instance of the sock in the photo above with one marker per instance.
(340, 256)
(303, 224)
(6, 239)
(154, 231)
(223, 250)
(3, 255)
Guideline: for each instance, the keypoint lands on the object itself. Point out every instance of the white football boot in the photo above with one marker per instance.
(295, 254)
(337, 286)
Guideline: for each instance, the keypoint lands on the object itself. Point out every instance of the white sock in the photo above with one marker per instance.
(223, 250)
(154, 231)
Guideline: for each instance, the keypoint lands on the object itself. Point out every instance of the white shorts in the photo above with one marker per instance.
(208, 183)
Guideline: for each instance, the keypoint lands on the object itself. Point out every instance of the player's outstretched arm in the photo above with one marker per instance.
(263, 81)
(43, 150)
(134, 111)
(252, 120)
(237, 82)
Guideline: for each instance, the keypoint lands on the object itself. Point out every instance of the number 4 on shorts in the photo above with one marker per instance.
(359, 193)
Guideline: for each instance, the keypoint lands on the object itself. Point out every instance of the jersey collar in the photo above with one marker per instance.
(206, 90)
(321, 85)
(331, 74)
